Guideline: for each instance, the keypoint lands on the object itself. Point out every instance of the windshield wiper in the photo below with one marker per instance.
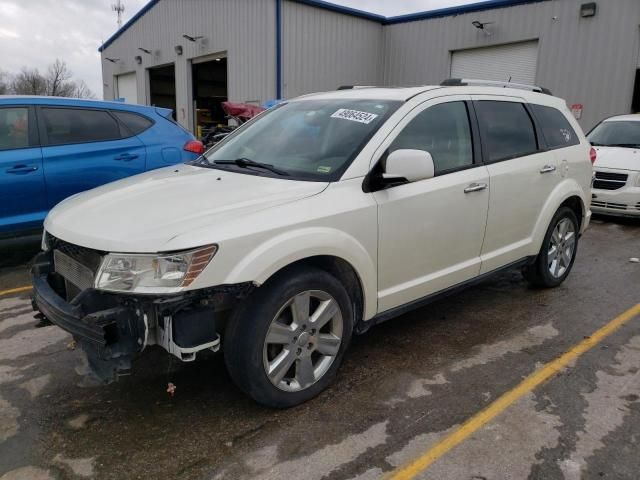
(247, 162)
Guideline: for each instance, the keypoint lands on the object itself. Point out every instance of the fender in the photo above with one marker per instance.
(566, 189)
(276, 253)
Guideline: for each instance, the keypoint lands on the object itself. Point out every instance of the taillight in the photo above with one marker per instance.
(194, 146)
(593, 155)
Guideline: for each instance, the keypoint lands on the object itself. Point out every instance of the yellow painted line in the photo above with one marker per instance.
(420, 464)
(15, 290)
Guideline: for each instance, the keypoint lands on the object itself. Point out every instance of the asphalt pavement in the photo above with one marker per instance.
(403, 399)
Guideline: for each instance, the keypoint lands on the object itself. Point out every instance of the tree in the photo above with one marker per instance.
(57, 82)
(28, 82)
(82, 90)
(4, 88)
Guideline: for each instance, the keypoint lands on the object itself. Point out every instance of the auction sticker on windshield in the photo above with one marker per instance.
(354, 115)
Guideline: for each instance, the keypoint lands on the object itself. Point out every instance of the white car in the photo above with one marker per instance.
(616, 188)
(318, 219)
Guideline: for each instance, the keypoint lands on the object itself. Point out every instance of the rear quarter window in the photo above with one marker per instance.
(555, 127)
(133, 122)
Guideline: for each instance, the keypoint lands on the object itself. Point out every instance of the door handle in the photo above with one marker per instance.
(21, 169)
(475, 187)
(125, 157)
(548, 169)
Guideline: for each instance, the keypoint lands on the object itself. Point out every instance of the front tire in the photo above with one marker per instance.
(558, 252)
(286, 342)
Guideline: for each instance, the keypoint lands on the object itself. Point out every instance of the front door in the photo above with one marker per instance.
(431, 231)
(22, 194)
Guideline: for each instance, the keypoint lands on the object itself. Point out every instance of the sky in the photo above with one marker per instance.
(34, 33)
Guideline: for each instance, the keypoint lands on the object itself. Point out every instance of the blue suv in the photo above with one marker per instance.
(51, 148)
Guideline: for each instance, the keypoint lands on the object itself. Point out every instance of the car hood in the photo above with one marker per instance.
(145, 212)
(618, 158)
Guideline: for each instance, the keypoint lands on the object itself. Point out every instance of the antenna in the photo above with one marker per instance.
(118, 7)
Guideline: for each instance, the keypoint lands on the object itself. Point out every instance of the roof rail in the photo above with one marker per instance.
(353, 87)
(458, 82)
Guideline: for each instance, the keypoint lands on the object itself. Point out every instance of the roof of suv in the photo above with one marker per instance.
(405, 93)
(71, 102)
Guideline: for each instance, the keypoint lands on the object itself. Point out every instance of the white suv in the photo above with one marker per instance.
(320, 218)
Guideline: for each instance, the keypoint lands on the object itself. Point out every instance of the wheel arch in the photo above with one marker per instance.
(332, 250)
(568, 194)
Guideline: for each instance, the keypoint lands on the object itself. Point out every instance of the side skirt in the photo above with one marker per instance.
(364, 326)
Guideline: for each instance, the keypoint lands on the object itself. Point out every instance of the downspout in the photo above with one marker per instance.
(278, 49)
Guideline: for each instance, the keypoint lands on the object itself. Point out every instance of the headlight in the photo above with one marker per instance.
(152, 273)
(44, 245)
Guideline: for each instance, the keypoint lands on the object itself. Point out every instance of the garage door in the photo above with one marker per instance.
(515, 61)
(126, 87)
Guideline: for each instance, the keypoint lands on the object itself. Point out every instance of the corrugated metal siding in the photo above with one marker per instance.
(584, 60)
(323, 50)
(245, 29)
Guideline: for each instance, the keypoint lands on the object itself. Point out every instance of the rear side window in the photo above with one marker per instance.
(507, 130)
(74, 125)
(442, 130)
(14, 127)
(135, 123)
(555, 127)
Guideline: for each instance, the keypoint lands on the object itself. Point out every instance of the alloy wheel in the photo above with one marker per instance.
(562, 247)
(303, 340)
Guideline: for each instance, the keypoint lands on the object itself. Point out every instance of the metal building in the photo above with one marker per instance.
(190, 55)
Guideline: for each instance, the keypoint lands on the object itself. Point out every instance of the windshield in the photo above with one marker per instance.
(304, 140)
(616, 134)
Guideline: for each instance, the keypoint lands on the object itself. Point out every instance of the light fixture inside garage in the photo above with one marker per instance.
(588, 9)
(482, 26)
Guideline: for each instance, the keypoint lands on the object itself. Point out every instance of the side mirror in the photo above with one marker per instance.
(412, 165)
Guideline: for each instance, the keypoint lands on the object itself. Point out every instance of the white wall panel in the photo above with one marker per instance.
(324, 49)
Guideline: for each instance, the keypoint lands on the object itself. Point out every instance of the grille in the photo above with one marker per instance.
(85, 256)
(610, 180)
(73, 271)
(614, 206)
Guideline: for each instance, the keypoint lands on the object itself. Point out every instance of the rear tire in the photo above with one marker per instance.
(558, 252)
(285, 343)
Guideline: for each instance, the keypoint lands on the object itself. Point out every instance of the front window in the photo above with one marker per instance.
(304, 140)
(616, 134)
(442, 130)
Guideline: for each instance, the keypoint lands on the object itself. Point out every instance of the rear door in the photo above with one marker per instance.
(523, 176)
(84, 148)
(22, 193)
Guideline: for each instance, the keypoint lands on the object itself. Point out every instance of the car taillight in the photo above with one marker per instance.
(194, 146)
(593, 155)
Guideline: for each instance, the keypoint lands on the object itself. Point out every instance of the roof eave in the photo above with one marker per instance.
(412, 17)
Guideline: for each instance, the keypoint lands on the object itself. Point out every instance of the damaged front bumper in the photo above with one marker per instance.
(113, 329)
